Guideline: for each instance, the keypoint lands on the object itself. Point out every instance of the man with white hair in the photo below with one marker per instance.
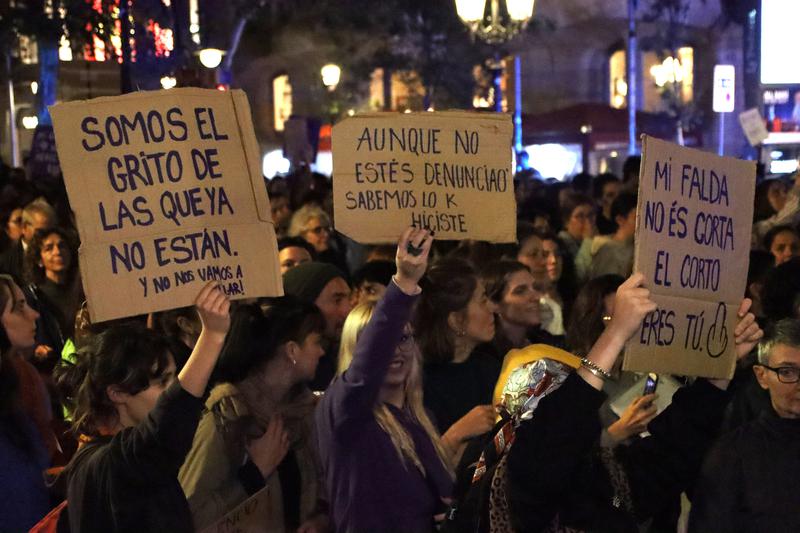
(36, 216)
(750, 478)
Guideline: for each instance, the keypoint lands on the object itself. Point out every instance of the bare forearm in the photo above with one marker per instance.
(196, 372)
(604, 354)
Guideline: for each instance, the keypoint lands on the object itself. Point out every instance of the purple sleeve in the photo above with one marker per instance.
(353, 394)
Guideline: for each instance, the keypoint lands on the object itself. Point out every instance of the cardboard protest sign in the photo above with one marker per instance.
(168, 194)
(447, 171)
(753, 126)
(254, 515)
(693, 227)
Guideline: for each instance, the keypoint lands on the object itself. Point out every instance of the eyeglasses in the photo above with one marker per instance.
(786, 374)
(319, 230)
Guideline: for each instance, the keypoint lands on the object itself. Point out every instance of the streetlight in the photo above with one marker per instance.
(495, 29)
(168, 82)
(211, 57)
(492, 27)
(330, 76)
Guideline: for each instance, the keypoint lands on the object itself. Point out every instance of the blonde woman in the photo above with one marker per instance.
(378, 447)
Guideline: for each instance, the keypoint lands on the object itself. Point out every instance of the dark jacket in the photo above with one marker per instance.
(453, 389)
(749, 480)
(11, 262)
(129, 482)
(557, 474)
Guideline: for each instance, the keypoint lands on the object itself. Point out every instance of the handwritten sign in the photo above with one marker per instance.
(449, 172)
(168, 194)
(693, 227)
(753, 126)
(254, 515)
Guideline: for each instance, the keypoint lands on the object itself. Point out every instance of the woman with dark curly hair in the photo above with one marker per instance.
(51, 270)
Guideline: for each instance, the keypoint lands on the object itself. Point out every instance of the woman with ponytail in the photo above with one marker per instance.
(138, 422)
(377, 444)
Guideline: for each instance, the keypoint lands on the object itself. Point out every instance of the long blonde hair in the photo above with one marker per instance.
(402, 441)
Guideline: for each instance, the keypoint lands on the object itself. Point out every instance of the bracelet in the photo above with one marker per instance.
(594, 369)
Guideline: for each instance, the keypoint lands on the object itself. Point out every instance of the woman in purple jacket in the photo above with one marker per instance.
(385, 468)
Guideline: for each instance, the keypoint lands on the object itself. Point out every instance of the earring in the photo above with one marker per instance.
(293, 360)
(461, 333)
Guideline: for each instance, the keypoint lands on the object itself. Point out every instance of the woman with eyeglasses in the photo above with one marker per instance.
(313, 224)
(384, 464)
(749, 477)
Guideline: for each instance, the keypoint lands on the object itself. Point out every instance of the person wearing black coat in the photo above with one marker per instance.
(558, 477)
(139, 420)
(749, 478)
(554, 476)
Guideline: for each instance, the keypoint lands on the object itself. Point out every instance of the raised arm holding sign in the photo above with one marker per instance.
(448, 172)
(168, 194)
(692, 245)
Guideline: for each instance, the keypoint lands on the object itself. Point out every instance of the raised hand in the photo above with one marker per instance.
(214, 310)
(631, 304)
(477, 421)
(634, 419)
(412, 258)
(747, 332)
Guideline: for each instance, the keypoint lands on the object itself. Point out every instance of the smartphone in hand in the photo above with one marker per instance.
(651, 383)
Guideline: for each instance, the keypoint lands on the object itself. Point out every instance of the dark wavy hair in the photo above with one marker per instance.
(33, 271)
(586, 319)
(127, 356)
(447, 287)
(258, 331)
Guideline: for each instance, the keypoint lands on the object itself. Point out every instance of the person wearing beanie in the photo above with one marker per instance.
(323, 285)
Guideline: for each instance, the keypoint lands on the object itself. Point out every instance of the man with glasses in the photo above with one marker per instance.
(750, 479)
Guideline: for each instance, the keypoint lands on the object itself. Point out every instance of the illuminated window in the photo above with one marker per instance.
(407, 91)
(281, 100)
(661, 73)
(483, 93)
(28, 50)
(617, 77)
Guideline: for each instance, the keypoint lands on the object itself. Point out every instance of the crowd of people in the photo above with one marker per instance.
(428, 385)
